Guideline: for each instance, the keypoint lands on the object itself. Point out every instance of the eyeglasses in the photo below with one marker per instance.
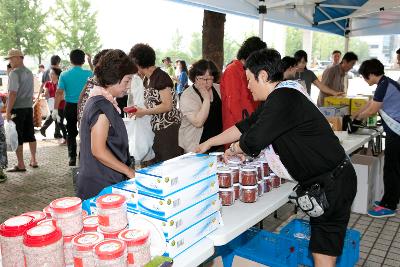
(211, 79)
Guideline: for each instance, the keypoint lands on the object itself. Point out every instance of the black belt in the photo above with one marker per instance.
(332, 174)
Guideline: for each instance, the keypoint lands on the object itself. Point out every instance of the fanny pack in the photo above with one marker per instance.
(311, 198)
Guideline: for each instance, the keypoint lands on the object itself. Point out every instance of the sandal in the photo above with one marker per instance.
(16, 169)
(34, 165)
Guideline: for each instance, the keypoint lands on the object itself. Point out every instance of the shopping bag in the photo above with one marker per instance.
(11, 135)
(37, 114)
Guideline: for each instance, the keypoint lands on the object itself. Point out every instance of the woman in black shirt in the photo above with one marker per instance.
(104, 154)
(306, 145)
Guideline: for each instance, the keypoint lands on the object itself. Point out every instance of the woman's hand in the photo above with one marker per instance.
(339, 94)
(130, 173)
(203, 147)
(140, 112)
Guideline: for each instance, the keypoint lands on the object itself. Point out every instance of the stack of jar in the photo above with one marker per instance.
(226, 188)
(248, 178)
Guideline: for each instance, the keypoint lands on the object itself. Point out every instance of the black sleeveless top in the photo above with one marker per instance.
(213, 125)
(93, 176)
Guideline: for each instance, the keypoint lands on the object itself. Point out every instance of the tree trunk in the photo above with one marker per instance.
(213, 37)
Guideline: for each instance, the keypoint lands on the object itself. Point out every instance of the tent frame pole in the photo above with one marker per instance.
(262, 11)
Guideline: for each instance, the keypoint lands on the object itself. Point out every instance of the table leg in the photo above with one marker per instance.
(276, 214)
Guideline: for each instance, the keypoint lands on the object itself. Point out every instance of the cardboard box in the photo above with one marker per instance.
(165, 207)
(367, 170)
(357, 103)
(194, 234)
(172, 175)
(336, 101)
(336, 123)
(129, 190)
(333, 111)
(185, 219)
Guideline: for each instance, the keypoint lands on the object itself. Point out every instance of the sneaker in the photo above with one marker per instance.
(378, 203)
(72, 162)
(381, 212)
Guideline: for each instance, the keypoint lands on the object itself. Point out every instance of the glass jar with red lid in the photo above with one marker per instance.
(67, 213)
(83, 245)
(138, 243)
(112, 213)
(112, 252)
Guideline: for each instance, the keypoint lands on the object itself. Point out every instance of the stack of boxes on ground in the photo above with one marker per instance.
(177, 200)
(336, 107)
(246, 181)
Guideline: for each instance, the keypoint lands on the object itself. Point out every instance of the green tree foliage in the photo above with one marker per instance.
(195, 46)
(294, 40)
(23, 26)
(75, 26)
(359, 47)
(231, 48)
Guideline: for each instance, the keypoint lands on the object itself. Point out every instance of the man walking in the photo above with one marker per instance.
(70, 85)
(19, 107)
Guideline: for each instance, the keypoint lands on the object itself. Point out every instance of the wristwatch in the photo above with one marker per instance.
(232, 148)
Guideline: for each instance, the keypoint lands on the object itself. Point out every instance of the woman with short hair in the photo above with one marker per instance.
(201, 107)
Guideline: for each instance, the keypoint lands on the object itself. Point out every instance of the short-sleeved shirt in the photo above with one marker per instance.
(52, 88)
(93, 175)
(298, 132)
(388, 92)
(334, 78)
(72, 82)
(158, 81)
(21, 82)
(183, 82)
(308, 77)
(46, 75)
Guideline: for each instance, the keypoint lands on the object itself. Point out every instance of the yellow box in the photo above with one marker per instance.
(336, 101)
(357, 103)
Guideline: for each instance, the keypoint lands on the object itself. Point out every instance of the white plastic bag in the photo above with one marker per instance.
(140, 132)
(11, 135)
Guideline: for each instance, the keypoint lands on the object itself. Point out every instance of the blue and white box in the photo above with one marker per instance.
(194, 234)
(127, 189)
(164, 207)
(178, 223)
(172, 175)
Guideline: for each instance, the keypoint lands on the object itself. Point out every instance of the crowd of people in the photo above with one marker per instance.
(260, 101)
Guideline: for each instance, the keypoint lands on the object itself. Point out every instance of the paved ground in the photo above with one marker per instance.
(34, 189)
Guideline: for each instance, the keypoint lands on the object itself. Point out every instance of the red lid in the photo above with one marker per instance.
(37, 215)
(110, 201)
(86, 241)
(17, 226)
(110, 249)
(65, 204)
(109, 235)
(47, 210)
(68, 239)
(90, 223)
(42, 235)
(47, 222)
(134, 237)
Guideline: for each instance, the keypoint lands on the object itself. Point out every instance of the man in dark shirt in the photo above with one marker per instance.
(307, 147)
(386, 100)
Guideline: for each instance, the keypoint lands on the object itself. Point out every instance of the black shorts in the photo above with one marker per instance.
(329, 230)
(24, 123)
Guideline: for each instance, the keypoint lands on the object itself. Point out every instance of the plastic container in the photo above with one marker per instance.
(249, 194)
(110, 235)
(227, 196)
(219, 155)
(83, 245)
(90, 223)
(67, 213)
(37, 215)
(260, 188)
(111, 252)
(276, 181)
(112, 213)
(48, 212)
(267, 184)
(43, 246)
(69, 250)
(258, 165)
(248, 175)
(299, 231)
(47, 222)
(236, 188)
(11, 239)
(235, 172)
(225, 177)
(138, 243)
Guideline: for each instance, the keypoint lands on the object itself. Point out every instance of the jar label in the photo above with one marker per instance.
(41, 230)
(88, 239)
(17, 221)
(104, 220)
(91, 221)
(111, 198)
(69, 202)
(134, 234)
(131, 258)
(110, 247)
(78, 262)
